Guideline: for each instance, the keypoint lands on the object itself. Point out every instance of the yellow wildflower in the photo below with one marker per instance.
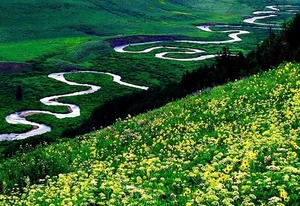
(284, 195)
(228, 169)
(244, 165)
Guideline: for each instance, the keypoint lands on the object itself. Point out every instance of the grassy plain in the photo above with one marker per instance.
(62, 35)
(237, 144)
(63, 24)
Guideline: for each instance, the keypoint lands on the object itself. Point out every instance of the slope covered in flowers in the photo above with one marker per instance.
(237, 144)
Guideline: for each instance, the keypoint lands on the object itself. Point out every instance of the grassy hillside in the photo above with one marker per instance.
(236, 144)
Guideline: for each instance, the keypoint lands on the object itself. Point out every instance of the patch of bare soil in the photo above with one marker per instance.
(13, 66)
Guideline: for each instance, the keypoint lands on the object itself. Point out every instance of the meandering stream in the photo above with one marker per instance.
(233, 35)
(74, 110)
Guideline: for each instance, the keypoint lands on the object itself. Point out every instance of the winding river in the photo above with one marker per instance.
(74, 110)
(272, 11)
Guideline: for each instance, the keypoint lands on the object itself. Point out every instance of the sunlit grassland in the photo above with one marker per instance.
(32, 49)
(235, 144)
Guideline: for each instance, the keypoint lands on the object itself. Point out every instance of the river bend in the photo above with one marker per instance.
(73, 110)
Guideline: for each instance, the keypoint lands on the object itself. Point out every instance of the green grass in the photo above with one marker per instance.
(238, 143)
(32, 49)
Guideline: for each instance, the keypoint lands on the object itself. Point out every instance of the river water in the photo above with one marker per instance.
(73, 110)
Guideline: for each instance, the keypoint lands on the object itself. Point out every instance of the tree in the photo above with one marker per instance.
(19, 93)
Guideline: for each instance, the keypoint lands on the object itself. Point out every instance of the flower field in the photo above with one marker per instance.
(237, 144)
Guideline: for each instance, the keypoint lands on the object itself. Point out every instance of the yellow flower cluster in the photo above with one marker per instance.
(237, 144)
